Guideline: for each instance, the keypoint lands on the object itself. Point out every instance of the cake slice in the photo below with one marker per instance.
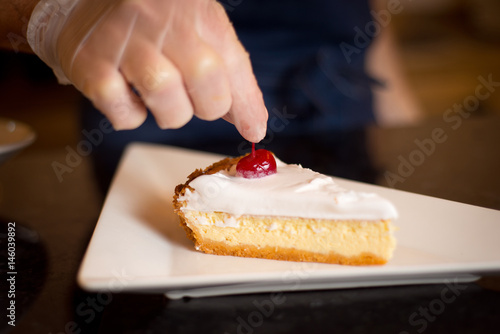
(295, 214)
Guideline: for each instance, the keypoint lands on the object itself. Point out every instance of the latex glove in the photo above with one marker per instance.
(182, 56)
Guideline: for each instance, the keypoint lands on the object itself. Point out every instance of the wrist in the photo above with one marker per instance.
(44, 27)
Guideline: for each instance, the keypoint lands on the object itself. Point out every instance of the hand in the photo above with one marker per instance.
(182, 57)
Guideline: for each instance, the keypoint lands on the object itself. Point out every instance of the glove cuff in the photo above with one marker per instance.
(44, 27)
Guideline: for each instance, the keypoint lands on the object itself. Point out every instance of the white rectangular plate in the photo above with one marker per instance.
(138, 244)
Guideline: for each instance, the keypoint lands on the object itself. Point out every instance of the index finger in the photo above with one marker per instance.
(248, 111)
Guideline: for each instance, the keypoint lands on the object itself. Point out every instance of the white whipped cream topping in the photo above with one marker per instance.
(293, 191)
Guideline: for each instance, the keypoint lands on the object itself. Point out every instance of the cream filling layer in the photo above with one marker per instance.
(346, 238)
(293, 191)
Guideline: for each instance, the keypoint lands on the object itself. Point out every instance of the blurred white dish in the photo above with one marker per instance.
(14, 136)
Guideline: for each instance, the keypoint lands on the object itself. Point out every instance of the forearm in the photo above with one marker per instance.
(14, 17)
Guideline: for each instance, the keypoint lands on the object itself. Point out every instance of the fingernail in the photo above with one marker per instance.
(256, 133)
(261, 131)
(129, 121)
(127, 113)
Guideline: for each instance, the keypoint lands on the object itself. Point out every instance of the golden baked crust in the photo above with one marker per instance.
(289, 254)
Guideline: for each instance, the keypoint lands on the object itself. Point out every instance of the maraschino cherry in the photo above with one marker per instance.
(257, 164)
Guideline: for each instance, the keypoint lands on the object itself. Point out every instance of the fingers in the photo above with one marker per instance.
(187, 77)
(204, 74)
(248, 112)
(176, 73)
(180, 65)
(159, 83)
(94, 72)
(113, 97)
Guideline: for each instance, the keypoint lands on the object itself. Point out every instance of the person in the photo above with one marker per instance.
(264, 71)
